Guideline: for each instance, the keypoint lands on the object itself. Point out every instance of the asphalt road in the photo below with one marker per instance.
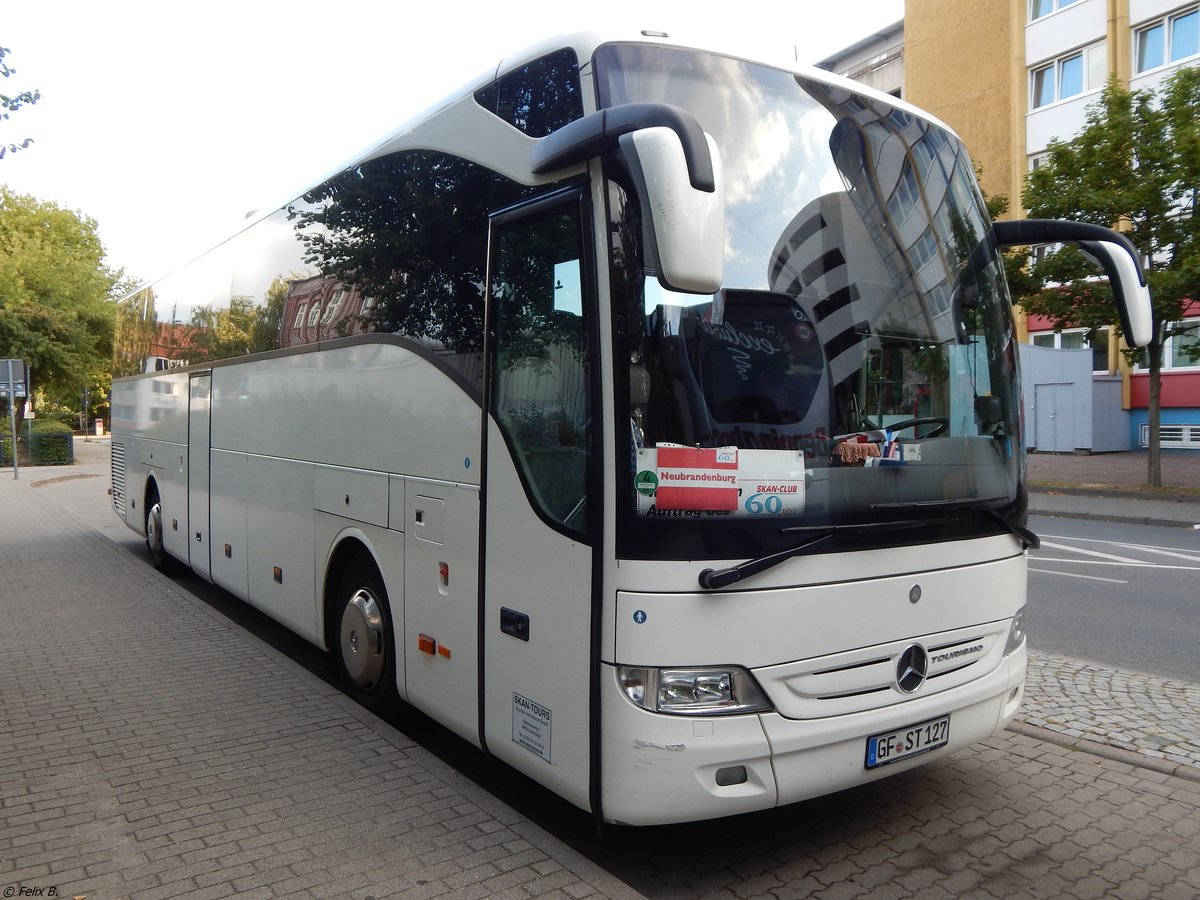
(1127, 596)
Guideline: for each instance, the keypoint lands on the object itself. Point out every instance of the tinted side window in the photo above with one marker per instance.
(538, 98)
(408, 234)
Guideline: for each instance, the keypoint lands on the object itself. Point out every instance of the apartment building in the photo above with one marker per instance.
(1010, 77)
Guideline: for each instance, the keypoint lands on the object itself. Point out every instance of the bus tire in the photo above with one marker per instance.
(159, 558)
(363, 639)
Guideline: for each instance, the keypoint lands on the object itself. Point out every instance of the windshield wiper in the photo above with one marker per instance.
(1029, 540)
(712, 579)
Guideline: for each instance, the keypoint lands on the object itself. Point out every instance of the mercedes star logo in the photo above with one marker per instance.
(911, 668)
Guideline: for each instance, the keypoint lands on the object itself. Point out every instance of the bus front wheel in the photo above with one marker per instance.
(365, 656)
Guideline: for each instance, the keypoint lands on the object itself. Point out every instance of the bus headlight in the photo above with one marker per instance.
(1016, 632)
(693, 692)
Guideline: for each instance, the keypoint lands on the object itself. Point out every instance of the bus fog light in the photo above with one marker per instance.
(692, 692)
(731, 775)
(1016, 632)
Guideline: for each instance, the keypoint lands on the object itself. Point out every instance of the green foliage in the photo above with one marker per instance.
(52, 448)
(48, 426)
(44, 442)
(410, 231)
(1135, 166)
(9, 104)
(55, 311)
(239, 328)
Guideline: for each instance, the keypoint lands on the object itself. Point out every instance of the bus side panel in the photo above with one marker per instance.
(374, 407)
(535, 684)
(279, 524)
(441, 602)
(167, 462)
(229, 486)
(150, 421)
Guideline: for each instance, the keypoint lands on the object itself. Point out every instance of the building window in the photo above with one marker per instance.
(925, 152)
(299, 315)
(940, 297)
(314, 314)
(1168, 40)
(1183, 350)
(924, 251)
(332, 307)
(1039, 8)
(1077, 73)
(905, 198)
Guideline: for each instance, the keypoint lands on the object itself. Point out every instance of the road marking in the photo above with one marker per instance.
(1192, 557)
(1104, 562)
(1126, 545)
(1074, 575)
(1070, 549)
(1100, 558)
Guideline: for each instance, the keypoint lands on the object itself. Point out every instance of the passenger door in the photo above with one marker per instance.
(538, 527)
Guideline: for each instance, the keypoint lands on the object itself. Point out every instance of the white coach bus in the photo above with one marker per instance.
(647, 415)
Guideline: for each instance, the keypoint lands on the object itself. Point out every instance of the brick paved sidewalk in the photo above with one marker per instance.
(150, 749)
(1149, 721)
(1126, 471)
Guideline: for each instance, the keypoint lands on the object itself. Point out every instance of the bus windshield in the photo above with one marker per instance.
(858, 366)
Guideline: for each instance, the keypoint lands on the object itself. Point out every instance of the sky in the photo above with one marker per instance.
(166, 123)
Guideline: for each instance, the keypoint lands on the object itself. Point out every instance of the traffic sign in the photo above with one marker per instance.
(12, 377)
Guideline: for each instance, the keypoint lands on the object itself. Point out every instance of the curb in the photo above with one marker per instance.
(1106, 517)
(1114, 491)
(1104, 751)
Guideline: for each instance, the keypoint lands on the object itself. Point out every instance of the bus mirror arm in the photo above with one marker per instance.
(1114, 252)
(676, 171)
(600, 131)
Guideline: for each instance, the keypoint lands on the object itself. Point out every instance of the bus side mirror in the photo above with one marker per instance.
(677, 170)
(683, 227)
(1128, 281)
(1112, 250)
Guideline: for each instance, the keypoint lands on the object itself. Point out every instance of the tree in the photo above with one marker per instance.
(10, 104)
(241, 327)
(1135, 166)
(55, 309)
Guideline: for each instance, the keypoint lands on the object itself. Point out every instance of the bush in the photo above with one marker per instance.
(50, 443)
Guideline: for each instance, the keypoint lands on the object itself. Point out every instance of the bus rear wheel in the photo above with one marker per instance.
(159, 557)
(366, 658)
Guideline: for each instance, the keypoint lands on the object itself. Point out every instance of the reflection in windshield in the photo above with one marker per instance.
(860, 353)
